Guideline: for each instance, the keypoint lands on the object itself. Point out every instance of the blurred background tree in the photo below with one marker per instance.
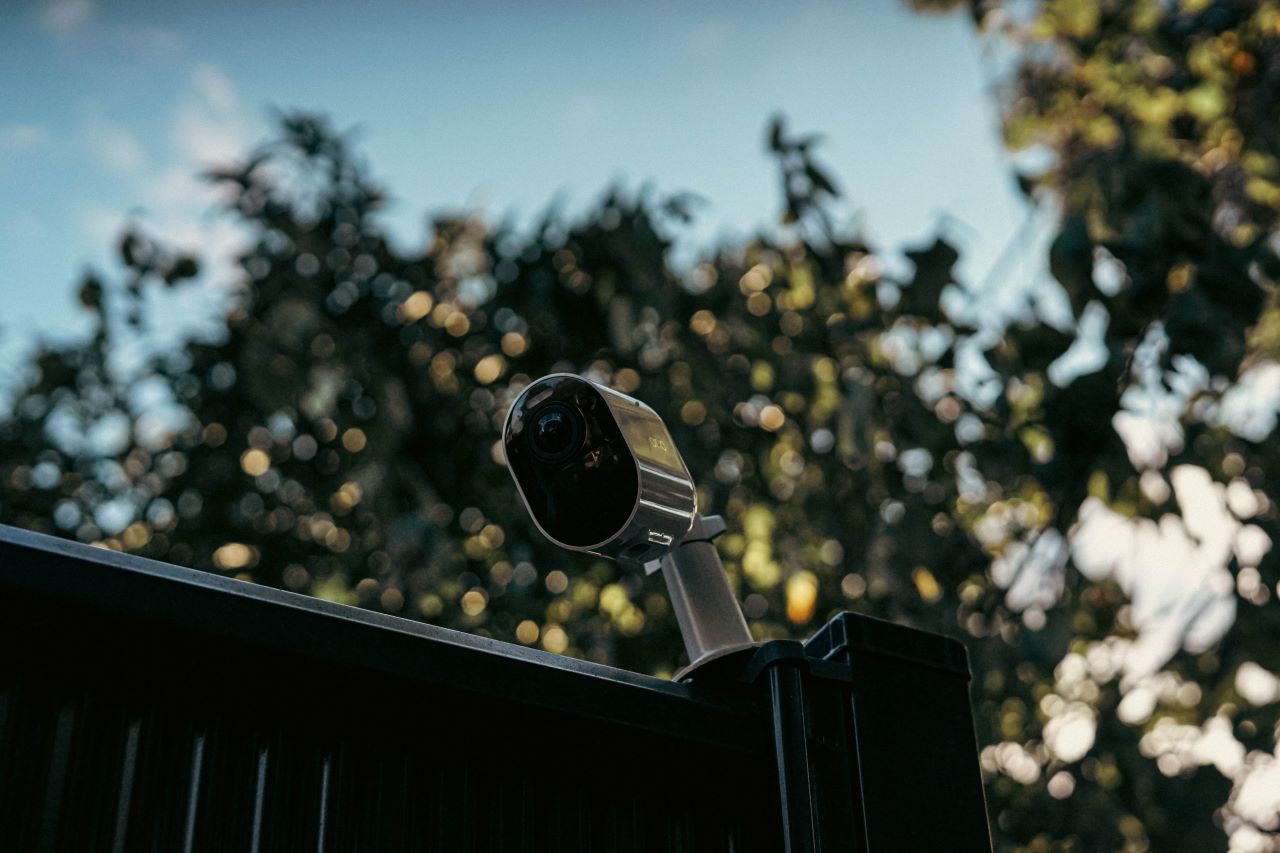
(1099, 535)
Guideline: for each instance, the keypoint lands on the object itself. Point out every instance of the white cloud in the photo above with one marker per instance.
(173, 204)
(174, 190)
(116, 147)
(22, 137)
(210, 125)
(64, 17)
(102, 225)
(213, 85)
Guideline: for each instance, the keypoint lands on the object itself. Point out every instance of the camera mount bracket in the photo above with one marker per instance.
(706, 609)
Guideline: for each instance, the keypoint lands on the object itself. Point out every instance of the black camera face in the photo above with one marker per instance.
(571, 462)
(597, 470)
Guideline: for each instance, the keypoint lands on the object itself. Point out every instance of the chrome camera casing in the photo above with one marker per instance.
(614, 483)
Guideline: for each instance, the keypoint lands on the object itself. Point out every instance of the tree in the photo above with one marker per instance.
(340, 437)
(1157, 125)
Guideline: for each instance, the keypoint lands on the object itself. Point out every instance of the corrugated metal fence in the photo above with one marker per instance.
(145, 707)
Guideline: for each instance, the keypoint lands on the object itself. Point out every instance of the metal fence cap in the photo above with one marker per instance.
(853, 633)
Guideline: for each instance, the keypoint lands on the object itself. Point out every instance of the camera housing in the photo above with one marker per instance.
(597, 470)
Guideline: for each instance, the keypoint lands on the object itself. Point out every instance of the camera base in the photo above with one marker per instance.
(706, 609)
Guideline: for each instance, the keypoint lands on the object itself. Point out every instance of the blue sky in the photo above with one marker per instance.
(109, 109)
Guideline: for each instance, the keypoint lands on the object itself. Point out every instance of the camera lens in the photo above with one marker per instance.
(555, 432)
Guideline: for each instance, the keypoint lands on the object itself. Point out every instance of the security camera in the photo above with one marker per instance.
(598, 470)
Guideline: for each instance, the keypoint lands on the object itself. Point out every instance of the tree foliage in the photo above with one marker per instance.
(870, 448)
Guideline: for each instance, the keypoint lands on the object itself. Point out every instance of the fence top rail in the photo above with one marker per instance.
(139, 590)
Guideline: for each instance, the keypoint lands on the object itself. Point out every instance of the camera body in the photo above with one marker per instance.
(597, 470)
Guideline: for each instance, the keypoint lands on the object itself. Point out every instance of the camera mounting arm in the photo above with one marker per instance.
(706, 609)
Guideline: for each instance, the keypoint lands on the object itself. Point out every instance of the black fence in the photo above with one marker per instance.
(145, 707)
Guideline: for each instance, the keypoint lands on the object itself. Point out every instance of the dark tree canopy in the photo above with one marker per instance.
(869, 448)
